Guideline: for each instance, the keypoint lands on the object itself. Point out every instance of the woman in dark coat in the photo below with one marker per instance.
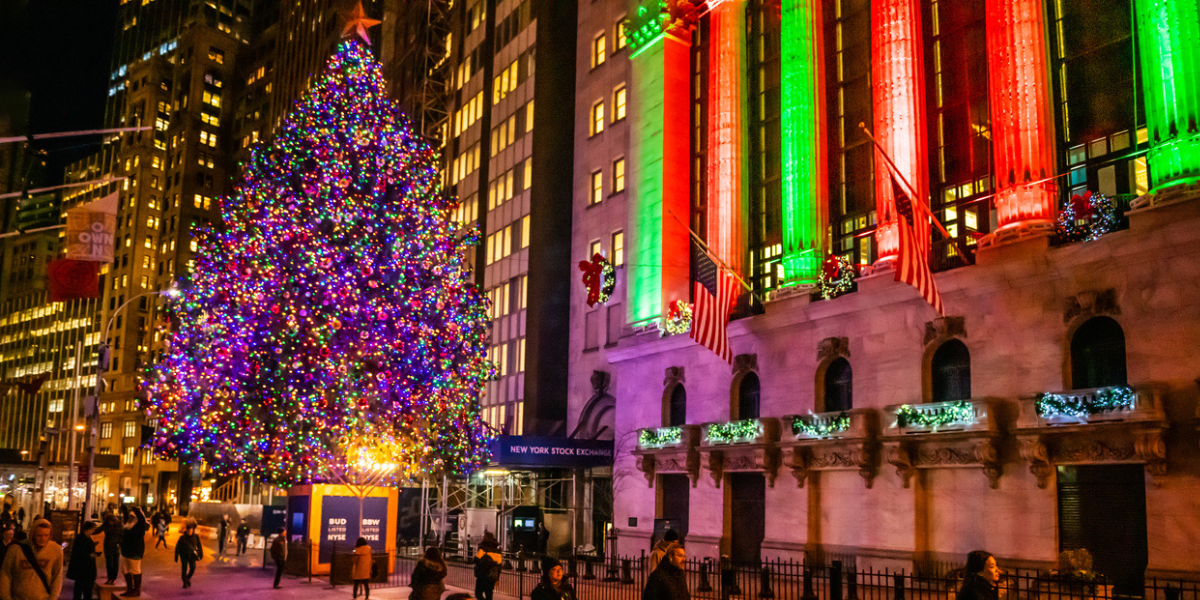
(429, 576)
(553, 586)
(982, 578)
(668, 581)
(82, 567)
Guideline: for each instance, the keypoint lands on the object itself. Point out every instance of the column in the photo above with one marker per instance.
(1167, 31)
(899, 108)
(805, 211)
(726, 120)
(660, 143)
(1022, 124)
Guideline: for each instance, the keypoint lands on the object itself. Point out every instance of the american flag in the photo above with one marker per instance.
(912, 261)
(716, 292)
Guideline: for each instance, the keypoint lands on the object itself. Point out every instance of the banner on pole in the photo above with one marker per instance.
(92, 230)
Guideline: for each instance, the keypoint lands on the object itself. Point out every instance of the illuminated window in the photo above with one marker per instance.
(106, 430)
(525, 231)
(128, 457)
(618, 175)
(529, 117)
(618, 248)
(597, 188)
(216, 55)
(622, 40)
(619, 102)
(597, 121)
(598, 50)
(131, 429)
(595, 248)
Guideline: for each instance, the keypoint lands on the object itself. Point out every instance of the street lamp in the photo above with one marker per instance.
(101, 367)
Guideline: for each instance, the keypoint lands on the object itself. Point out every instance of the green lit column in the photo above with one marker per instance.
(804, 214)
(1168, 33)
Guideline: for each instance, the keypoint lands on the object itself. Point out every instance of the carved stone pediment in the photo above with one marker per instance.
(833, 347)
(1130, 434)
(673, 375)
(745, 363)
(1090, 303)
(832, 441)
(945, 435)
(945, 327)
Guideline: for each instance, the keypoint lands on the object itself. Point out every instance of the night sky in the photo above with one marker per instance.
(60, 51)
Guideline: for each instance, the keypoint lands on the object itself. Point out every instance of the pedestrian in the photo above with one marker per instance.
(243, 536)
(20, 518)
(82, 566)
(112, 530)
(660, 549)
(553, 586)
(361, 572)
(8, 537)
(161, 530)
(428, 577)
(222, 533)
(33, 570)
(668, 581)
(487, 566)
(543, 538)
(188, 551)
(982, 577)
(279, 554)
(133, 547)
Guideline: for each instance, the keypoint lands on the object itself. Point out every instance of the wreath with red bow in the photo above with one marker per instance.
(837, 276)
(599, 277)
(1086, 217)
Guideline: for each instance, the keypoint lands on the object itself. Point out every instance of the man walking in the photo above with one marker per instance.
(279, 554)
(33, 570)
(222, 533)
(243, 536)
(112, 546)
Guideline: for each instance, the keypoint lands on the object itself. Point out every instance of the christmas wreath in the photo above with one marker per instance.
(837, 276)
(599, 277)
(1087, 217)
(678, 319)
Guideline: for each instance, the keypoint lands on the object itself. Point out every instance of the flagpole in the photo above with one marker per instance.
(713, 255)
(63, 134)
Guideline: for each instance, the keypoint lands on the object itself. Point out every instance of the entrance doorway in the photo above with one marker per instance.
(675, 502)
(747, 516)
(1103, 508)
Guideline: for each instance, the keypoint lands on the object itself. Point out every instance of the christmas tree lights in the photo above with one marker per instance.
(332, 325)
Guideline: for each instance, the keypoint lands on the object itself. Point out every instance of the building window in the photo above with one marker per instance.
(951, 372)
(1098, 354)
(618, 249)
(597, 124)
(618, 175)
(838, 390)
(128, 457)
(677, 406)
(597, 193)
(598, 50)
(620, 95)
(106, 430)
(621, 39)
(525, 231)
(595, 248)
(131, 429)
(749, 391)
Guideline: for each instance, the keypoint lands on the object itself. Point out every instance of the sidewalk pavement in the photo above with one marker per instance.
(232, 577)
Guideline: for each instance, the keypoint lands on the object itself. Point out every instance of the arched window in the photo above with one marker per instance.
(839, 394)
(748, 393)
(951, 371)
(677, 411)
(1098, 354)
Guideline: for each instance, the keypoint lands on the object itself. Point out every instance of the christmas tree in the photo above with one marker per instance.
(331, 327)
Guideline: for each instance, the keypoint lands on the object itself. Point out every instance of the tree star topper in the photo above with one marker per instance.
(356, 20)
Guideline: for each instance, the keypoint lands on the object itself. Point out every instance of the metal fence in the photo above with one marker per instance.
(835, 578)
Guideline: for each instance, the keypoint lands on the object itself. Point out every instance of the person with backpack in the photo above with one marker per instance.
(279, 554)
(133, 548)
(188, 551)
(82, 566)
(361, 573)
(33, 570)
(488, 561)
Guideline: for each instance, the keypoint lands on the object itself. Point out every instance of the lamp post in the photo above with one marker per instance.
(101, 367)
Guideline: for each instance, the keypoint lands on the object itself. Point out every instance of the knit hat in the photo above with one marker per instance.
(39, 523)
(548, 564)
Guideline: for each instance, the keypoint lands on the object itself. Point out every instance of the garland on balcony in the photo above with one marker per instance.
(659, 437)
(678, 319)
(1087, 217)
(733, 431)
(1104, 400)
(837, 276)
(958, 412)
(803, 427)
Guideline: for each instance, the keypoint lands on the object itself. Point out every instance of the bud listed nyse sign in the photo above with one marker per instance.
(90, 235)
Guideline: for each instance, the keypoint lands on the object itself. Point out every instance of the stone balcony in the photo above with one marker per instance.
(955, 434)
(668, 450)
(831, 441)
(1102, 425)
(746, 445)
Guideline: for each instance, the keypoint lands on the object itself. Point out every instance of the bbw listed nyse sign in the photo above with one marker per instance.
(90, 235)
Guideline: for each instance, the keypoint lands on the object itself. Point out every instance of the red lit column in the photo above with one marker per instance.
(725, 115)
(897, 95)
(1022, 125)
